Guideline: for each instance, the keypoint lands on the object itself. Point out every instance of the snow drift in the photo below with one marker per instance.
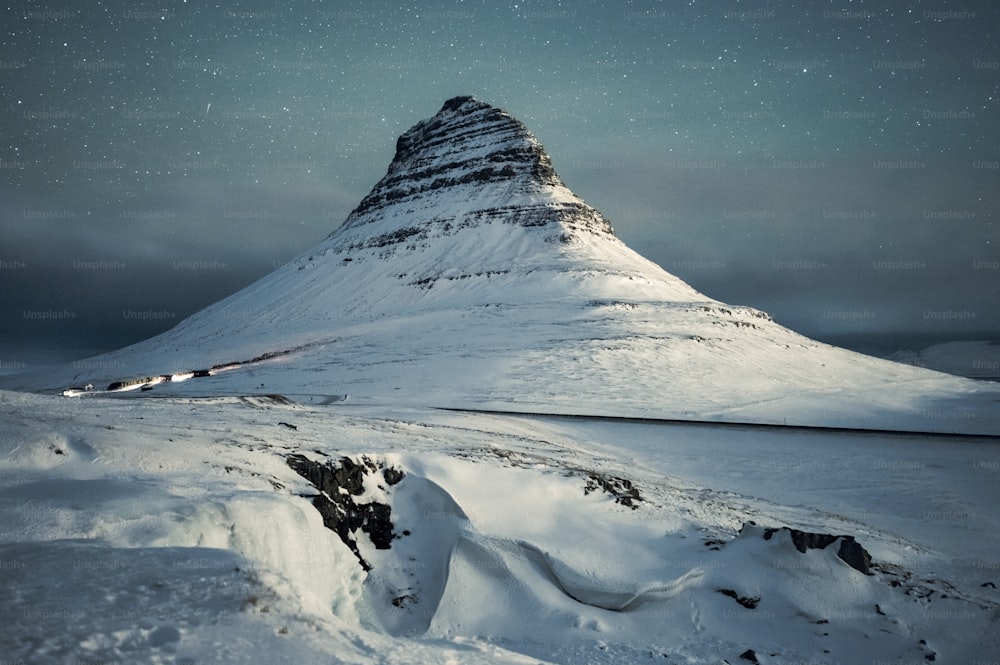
(184, 530)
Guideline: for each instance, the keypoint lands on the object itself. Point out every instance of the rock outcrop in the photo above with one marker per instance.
(338, 485)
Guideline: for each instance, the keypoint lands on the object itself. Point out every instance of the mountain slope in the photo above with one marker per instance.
(471, 276)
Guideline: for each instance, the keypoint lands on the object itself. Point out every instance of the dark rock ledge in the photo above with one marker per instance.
(850, 552)
(338, 483)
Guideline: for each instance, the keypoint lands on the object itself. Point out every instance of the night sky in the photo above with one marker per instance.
(833, 163)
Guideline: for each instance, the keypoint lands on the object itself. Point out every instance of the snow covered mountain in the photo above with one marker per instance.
(251, 514)
(471, 276)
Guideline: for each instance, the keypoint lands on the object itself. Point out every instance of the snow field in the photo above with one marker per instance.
(126, 545)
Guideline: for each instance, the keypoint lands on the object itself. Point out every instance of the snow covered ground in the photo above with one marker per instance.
(175, 530)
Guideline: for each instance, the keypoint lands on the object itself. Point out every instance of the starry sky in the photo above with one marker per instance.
(835, 164)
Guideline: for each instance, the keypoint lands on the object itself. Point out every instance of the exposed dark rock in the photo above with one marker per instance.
(392, 475)
(850, 552)
(338, 484)
(749, 602)
(404, 600)
(750, 655)
(470, 143)
(854, 555)
(127, 383)
(148, 382)
(620, 488)
(276, 399)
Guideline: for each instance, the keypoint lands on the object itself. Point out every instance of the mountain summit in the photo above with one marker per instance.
(470, 200)
(467, 145)
(471, 276)
(471, 164)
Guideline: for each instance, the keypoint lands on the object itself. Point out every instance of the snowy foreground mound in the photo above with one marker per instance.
(260, 530)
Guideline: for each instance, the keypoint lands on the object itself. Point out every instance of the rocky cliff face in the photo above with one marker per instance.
(469, 165)
(468, 142)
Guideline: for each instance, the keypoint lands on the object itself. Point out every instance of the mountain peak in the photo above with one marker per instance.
(468, 151)
(468, 129)
(456, 103)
